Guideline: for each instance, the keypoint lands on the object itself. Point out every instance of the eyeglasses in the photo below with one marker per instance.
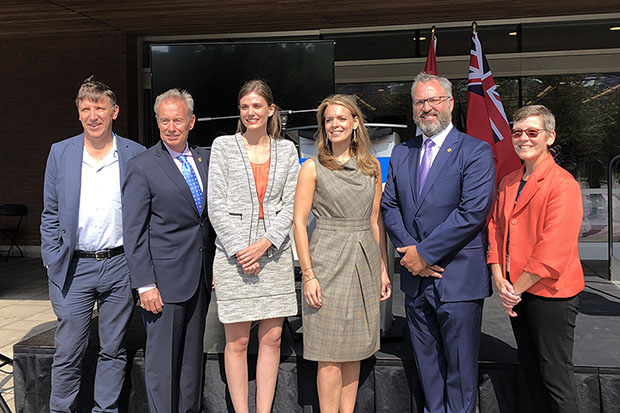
(434, 101)
(531, 133)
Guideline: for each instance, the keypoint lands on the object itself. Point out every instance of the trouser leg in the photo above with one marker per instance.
(545, 338)
(173, 355)
(446, 339)
(115, 306)
(73, 306)
(191, 375)
(427, 350)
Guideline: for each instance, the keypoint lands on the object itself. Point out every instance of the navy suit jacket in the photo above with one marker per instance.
(61, 201)
(167, 241)
(446, 220)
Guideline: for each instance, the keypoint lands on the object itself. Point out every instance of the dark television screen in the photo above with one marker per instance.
(300, 74)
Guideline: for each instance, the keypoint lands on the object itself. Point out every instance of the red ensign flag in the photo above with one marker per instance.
(486, 118)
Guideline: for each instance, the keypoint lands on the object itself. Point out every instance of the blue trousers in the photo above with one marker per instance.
(173, 358)
(446, 339)
(89, 281)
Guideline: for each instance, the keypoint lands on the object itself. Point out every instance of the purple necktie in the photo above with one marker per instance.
(425, 166)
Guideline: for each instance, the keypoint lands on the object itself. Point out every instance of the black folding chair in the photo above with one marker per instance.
(4, 361)
(12, 210)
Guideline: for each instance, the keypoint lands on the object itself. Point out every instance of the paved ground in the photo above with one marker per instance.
(25, 309)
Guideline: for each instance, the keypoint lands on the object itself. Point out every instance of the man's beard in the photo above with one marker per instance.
(432, 128)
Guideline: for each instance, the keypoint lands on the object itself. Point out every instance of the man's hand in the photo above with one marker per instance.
(416, 265)
(431, 271)
(151, 301)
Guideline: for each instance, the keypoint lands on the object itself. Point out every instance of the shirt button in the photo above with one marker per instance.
(513, 222)
(200, 249)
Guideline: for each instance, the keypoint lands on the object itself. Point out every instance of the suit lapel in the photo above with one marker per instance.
(73, 176)
(167, 164)
(123, 157)
(512, 188)
(414, 164)
(202, 166)
(533, 183)
(248, 167)
(273, 161)
(448, 147)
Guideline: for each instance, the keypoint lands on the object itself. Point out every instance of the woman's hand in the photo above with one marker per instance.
(252, 269)
(386, 286)
(507, 295)
(509, 310)
(312, 292)
(250, 254)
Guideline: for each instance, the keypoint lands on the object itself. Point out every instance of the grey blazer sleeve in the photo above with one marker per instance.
(227, 233)
(50, 222)
(280, 226)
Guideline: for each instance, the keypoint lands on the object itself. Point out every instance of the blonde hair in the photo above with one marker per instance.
(360, 139)
(274, 124)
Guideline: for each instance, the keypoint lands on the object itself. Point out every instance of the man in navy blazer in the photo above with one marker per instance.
(435, 203)
(170, 245)
(82, 249)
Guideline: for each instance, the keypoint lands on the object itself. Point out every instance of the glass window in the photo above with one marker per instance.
(378, 45)
(587, 111)
(570, 35)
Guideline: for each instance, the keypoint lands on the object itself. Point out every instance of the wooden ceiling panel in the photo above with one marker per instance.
(184, 17)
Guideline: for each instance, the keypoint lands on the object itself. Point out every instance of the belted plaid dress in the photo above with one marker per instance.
(347, 263)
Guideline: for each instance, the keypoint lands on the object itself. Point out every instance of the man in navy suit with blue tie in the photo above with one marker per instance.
(170, 246)
(82, 249)
(438, 193)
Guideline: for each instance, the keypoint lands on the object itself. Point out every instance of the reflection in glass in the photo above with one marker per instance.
(587, 111)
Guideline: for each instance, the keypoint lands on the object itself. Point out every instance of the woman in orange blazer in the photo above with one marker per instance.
(533, 254)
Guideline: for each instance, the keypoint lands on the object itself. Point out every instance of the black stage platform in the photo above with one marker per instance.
(388, 380)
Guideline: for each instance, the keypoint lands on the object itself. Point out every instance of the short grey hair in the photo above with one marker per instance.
(535, 110)
(179, 94)
(426, 77)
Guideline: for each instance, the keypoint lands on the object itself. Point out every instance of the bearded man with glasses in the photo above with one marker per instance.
(438, 193)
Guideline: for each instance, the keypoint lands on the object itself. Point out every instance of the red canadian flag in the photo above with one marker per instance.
(431, 59)
(486, 118)
(431, 64)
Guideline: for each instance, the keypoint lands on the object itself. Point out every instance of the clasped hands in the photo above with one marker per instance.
(507, 295)
(416, 265)
(248, 257)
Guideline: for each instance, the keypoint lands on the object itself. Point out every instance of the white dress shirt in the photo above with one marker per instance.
(100, 220)
(438, 140)
(190, 158)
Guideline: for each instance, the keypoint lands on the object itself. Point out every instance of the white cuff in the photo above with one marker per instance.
(146, 288)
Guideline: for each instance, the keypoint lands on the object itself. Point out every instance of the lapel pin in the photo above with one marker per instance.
(449, 149)
(199, 159)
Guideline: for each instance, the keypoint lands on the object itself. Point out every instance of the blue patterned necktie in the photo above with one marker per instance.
(192, 181)
(425, 166)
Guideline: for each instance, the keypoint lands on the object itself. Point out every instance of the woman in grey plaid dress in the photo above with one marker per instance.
(344, 269)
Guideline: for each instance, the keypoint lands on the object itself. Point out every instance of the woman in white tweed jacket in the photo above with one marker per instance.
(252, 180)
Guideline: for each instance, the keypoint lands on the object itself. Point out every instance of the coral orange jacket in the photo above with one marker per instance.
(543, 225)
